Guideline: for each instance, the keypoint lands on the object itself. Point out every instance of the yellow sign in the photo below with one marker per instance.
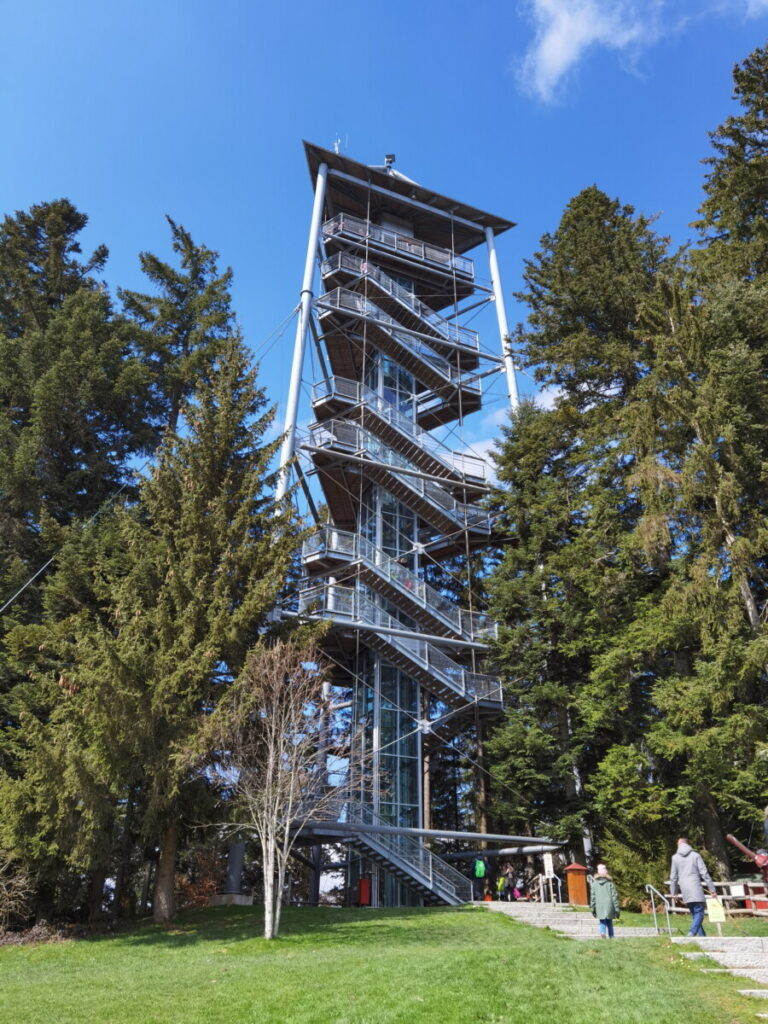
(715, 910)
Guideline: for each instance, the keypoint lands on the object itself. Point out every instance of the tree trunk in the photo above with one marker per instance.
(164, 896)
(317, 870)
(572, 784)
(145, 887)
(481, 779)
(427, 791)
(45, 905)
(124, 856)
(268, 875)
(714, 837)
(278, 894)
(96, 894)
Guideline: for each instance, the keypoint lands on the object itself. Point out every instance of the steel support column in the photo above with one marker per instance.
(501, 315)
(305, 312)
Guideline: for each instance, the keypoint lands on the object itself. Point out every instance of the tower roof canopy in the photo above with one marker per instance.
(372, 191)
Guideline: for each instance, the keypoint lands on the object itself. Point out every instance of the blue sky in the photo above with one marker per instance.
(198, 109)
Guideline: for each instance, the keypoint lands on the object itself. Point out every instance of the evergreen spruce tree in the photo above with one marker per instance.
(698, 430)
(734, 215)
(186, 321)
(568, 579)
(75, 405)
(40, 265)
(180, 592)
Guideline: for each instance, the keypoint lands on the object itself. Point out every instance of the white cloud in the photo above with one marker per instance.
(547, 397)
(566, 31)
(498, 417)
(483, 449)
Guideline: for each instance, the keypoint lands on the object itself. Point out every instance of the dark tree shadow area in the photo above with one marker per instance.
(241, 924)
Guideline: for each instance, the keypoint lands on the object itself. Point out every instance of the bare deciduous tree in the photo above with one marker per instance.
(16, 892)
(272, 740)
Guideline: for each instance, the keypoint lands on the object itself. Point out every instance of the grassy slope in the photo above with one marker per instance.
(359, 967)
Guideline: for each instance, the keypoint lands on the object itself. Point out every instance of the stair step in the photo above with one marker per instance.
(576, 924)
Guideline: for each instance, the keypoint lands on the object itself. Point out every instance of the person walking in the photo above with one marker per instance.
(508, 882)
(478, 873)
(604, 901)
(688, 874)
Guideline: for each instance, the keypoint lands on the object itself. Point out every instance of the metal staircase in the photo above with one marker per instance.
(403, 855)
(353, 400)
(395, 364)
(349, 229)
(352, 323)
(428, 498)
(330, 551)
(409, 860)
(406, 309)
(422, 659)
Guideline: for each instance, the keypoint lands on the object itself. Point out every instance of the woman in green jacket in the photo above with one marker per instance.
(604, 901)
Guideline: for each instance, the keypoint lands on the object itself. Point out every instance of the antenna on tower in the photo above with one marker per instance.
(337, 145)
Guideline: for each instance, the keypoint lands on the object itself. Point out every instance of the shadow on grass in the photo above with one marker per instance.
(313, 924)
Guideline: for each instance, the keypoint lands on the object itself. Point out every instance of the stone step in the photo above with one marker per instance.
(722, 942)
(576, 924)
(758, 974)
(557, 918)
(738, 961)
(558, 924)
(740, 956)
(618, 933)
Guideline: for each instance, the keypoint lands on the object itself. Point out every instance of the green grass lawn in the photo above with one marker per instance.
(464, 966)
(681, 922)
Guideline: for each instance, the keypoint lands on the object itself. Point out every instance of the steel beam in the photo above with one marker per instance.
(305, 312)
(501, 316)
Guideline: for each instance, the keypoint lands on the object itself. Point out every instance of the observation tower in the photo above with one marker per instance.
(400, 513)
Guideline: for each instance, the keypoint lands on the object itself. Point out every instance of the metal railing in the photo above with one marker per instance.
(347, 605)
(654, 893)
(405, 852)
(356, 440)
(465, 623)
(347, 301)
(448, 330)
(352, 390)
(545, 889)
(410, 854)
(412, 248)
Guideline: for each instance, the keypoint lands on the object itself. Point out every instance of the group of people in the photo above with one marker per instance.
(508, 884)
(689, 880)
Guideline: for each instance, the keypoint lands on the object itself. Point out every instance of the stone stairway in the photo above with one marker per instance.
(741, 956)
(575, 923)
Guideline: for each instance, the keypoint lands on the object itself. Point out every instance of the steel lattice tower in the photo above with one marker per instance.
(394, 367)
